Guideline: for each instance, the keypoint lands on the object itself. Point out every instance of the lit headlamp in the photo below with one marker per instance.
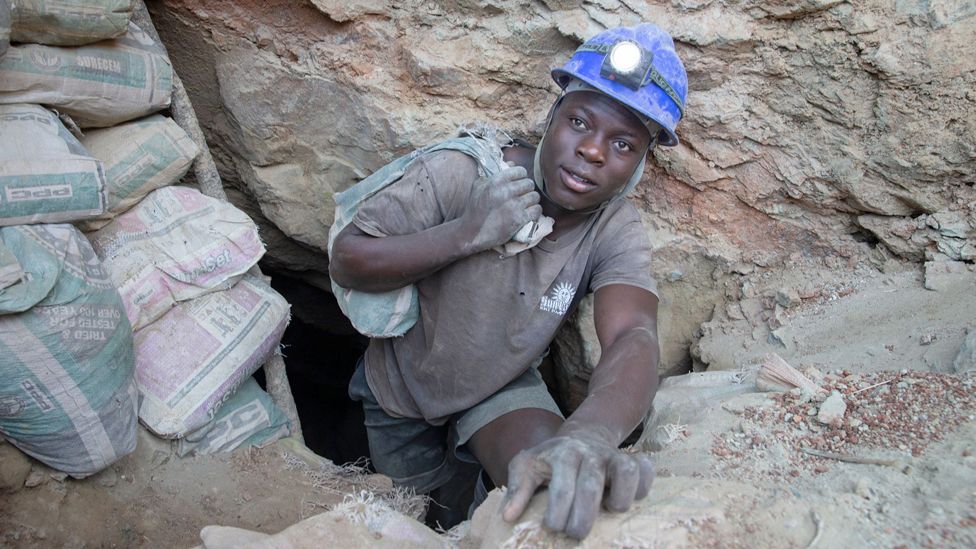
(627, 63)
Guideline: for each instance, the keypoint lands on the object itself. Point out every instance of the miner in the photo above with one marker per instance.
(459, 392)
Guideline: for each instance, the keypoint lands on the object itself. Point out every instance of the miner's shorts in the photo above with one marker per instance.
(424, 457)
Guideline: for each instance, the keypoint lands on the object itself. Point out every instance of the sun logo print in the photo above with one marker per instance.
(559, 298)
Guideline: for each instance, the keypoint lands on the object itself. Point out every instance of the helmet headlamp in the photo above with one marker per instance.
(628, 63)
(639, 68)
(624, 56)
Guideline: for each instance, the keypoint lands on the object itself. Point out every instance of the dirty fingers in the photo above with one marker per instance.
(501, 205)
(581, 474)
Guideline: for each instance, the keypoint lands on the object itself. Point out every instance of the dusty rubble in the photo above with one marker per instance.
(897, 470)
(886, 411)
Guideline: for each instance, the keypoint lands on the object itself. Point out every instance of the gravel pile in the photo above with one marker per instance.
(887, 413)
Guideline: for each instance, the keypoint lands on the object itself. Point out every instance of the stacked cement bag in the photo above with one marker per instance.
(174, 260)
(194, 358)
(46, 175)
(98, 85)
(10, 270)
(249, 417)
(139, 157)
(4, 26)
(68, 22)
(67, 386)
(67, 395)
(179, 259)
(175, 245)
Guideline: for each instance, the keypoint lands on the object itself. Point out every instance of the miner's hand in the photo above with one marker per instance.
(577, 467)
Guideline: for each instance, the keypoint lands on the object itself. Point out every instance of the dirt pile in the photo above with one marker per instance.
(153, 498)
(904, 411)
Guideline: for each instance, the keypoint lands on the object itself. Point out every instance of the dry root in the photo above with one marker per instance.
(775, 374)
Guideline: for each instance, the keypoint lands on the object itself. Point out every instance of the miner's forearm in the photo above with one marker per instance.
(621, 388)
(370, 264)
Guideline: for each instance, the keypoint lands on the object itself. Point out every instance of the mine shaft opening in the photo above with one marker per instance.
(321, 350)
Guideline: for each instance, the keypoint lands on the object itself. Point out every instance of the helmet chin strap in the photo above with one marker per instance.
(539, 178)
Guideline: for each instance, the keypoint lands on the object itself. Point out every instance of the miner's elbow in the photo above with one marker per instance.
(342, 263)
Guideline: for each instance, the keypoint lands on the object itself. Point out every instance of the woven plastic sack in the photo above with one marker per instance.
(10, 270)
(687, 399)
(392, 313)
(248, 418)
(190, 360)
(68, 22)
(175, 245)
(361, 520)
(100, 85)
(67, 395)
(46, 175)
(138, 157)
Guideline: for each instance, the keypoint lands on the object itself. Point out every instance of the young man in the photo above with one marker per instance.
(461, 385)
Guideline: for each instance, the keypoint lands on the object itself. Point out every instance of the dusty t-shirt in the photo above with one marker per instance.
(485, 319)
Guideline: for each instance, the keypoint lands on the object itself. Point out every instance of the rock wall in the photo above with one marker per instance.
(819, 133)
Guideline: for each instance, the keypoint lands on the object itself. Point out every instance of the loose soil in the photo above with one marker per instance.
(154, 498)
(897, 469)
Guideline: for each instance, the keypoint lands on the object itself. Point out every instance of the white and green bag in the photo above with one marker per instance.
(67, 393)
(392, 313)
(68, 22)
(99, 85)
(248, 418)
(46, 175)
(138, 157)
(10, 270)
(4, 26)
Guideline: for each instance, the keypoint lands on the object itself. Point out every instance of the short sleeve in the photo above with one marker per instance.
(622, 254)
(433, 190)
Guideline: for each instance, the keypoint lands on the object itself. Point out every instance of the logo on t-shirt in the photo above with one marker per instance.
(558, 299)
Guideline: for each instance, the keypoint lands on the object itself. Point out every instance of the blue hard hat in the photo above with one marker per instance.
(638, 67)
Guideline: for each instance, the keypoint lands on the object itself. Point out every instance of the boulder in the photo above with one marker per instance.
(801, 136)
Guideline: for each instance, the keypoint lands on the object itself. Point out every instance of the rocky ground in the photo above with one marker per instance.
(153, 498)
(893, 466)
(882, 457)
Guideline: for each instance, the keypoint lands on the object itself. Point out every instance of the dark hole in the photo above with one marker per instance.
(864, 236)
(321, 350)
